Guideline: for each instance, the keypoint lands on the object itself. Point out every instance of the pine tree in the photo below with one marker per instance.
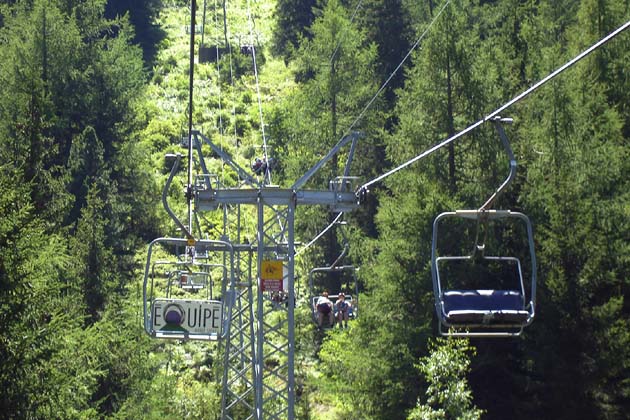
(292, 18)
(72, 82)
(448, 395)
(142, 14)
(577, 186)
(337, 81)
(31, 68)
(40, 373)
(387, 26)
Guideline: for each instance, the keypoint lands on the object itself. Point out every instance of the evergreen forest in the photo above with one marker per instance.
(96, 93)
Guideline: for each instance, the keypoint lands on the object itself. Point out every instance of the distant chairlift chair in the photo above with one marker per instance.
(352, 299)
(181, 313)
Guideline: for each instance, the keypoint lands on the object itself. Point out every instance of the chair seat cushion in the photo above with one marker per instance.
(484, 306)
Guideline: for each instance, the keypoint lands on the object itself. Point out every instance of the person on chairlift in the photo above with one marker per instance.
(343, 309)
(258, 166)
(324, 308)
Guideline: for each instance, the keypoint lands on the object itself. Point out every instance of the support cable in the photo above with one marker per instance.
(361, 190)
(267, 174)
(305, 247)
(371, 101)
(232, 84)
(203, 21)
(391, 76)
(393, 73)
(228, 46)
(356, 9)
(218, 63)
(189, 187)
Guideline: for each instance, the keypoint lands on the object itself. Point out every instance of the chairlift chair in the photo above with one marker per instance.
(349, 297)
(247, 49)
(178, 312)
(334, 298)
(486, 312)
(199, 277)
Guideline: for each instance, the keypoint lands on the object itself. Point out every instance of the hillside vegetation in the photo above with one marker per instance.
(95, 93)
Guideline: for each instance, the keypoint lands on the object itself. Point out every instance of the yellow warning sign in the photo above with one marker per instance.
(271, 270)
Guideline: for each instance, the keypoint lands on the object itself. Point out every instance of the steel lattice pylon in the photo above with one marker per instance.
(238, 374)
(275, 326)
(258, 353)
(270, 358)
(254, 317)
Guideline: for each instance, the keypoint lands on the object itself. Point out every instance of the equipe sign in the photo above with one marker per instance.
(194, 317)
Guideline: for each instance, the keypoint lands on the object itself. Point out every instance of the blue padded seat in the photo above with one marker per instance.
(484, 307)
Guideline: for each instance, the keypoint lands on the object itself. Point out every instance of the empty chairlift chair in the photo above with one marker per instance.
(484, 311)
(500, 305)
(177, 292)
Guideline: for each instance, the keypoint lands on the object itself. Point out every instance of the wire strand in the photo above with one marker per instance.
(267, 173)
(502, 108)
(305, 247)
(232, 84)
(391, 76)
(393, 73)
(369, 104)
(356, 9)
(191, 83)
(219, 90)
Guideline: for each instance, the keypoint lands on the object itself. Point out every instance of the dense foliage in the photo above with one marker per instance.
(77, 201)
(94, 94)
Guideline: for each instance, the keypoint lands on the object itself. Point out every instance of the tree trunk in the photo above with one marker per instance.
(450, 126)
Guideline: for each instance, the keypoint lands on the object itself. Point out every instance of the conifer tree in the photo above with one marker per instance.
(41, 335)
(387, 26)
(71, 82)
(335, 68)
(576, 186)
(448, 395)
(292, 19)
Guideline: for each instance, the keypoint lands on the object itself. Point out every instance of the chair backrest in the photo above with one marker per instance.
(193, 281)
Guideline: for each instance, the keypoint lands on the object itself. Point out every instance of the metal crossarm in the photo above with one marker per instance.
(207, 200)
(226, 158)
